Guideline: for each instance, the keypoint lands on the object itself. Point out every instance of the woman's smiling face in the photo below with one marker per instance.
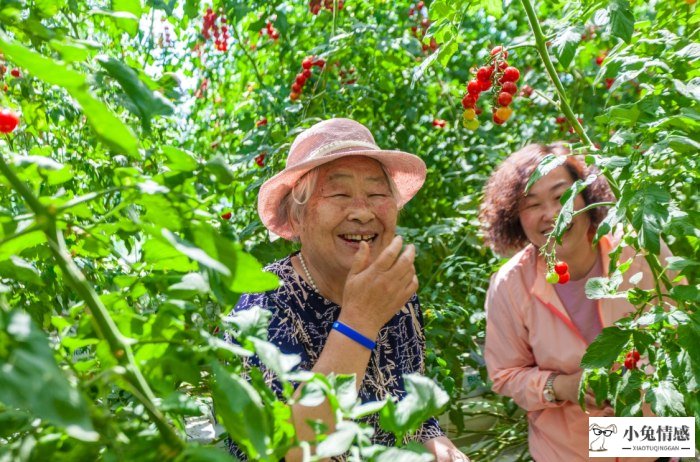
(352, 201)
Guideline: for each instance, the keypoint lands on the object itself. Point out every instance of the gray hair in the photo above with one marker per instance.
(292, 206)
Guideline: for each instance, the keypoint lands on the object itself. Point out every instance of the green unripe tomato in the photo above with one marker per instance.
(552, 277)
(470, 124)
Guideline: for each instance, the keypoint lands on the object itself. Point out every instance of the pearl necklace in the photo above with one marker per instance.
(306, 271)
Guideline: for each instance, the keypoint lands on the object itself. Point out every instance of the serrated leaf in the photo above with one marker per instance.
(666, 400)
(564, 45)
(546, 165)
(650, 216)
(566, 214)
(621, 19)
(605, 348)
(600, 287)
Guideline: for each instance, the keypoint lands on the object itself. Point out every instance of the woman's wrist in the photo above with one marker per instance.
(566, 387)
(359, 323)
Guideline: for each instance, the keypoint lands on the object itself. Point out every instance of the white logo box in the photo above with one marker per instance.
(641, 437)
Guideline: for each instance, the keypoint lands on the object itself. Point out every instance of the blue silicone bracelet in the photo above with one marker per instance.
(354, 335)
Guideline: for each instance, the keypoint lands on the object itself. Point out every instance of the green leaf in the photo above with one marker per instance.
(130, 6)
(71, 50)
(605, 348)
(108, 127)
(628, 398)
(195, 253)
(160, 255)
(546, 165)
(666, 400)
(566, 214)
(565, 43)
(221, 170)
(686, 293)
(679, 263)
(191, 284)
(43, 68)
(179, 160)
(252, 322)
(650, 216)
(271, 356)
(339, 442)
(145, 103)
(424, 399)
(49, 8)
(32, 380)
(182, 404)
(690, 51)
(242, 412)
(205, 454)
(20, 269)
(621, 19)
(125, 20)
(18, 244)
(13, 422)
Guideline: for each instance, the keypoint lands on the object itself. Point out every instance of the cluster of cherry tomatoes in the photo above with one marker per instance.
(219, 32)
(631, 359)
(304, 75)
(316, 5)
(559, 273)
(419, 13)
(495, 75)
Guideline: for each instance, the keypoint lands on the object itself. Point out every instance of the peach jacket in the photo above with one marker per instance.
(529, 335)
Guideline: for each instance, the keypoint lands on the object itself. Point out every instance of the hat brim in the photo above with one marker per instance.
(407, 170)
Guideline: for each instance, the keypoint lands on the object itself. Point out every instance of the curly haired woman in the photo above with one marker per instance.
(537, 332)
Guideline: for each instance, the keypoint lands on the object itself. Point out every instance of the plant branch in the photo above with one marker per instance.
(258, 76)
(541, 46)
(106, 328)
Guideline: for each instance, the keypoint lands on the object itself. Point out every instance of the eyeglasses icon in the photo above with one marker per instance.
(598, 432)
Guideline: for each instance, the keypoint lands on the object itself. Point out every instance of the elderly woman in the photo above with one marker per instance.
(537, 332)
(347, 302)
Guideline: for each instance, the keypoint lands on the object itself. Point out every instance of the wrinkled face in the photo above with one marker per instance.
(352, 201)
(538, 211)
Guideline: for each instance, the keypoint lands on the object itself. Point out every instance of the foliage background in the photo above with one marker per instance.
(137, 134)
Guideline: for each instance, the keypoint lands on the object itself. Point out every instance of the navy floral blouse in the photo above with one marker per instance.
(301, 322)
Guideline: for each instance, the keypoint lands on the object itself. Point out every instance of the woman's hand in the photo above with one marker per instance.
(375, 291)
(566, 389)
(445, 451)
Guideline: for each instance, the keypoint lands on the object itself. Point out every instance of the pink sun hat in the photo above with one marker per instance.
(325, 142)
